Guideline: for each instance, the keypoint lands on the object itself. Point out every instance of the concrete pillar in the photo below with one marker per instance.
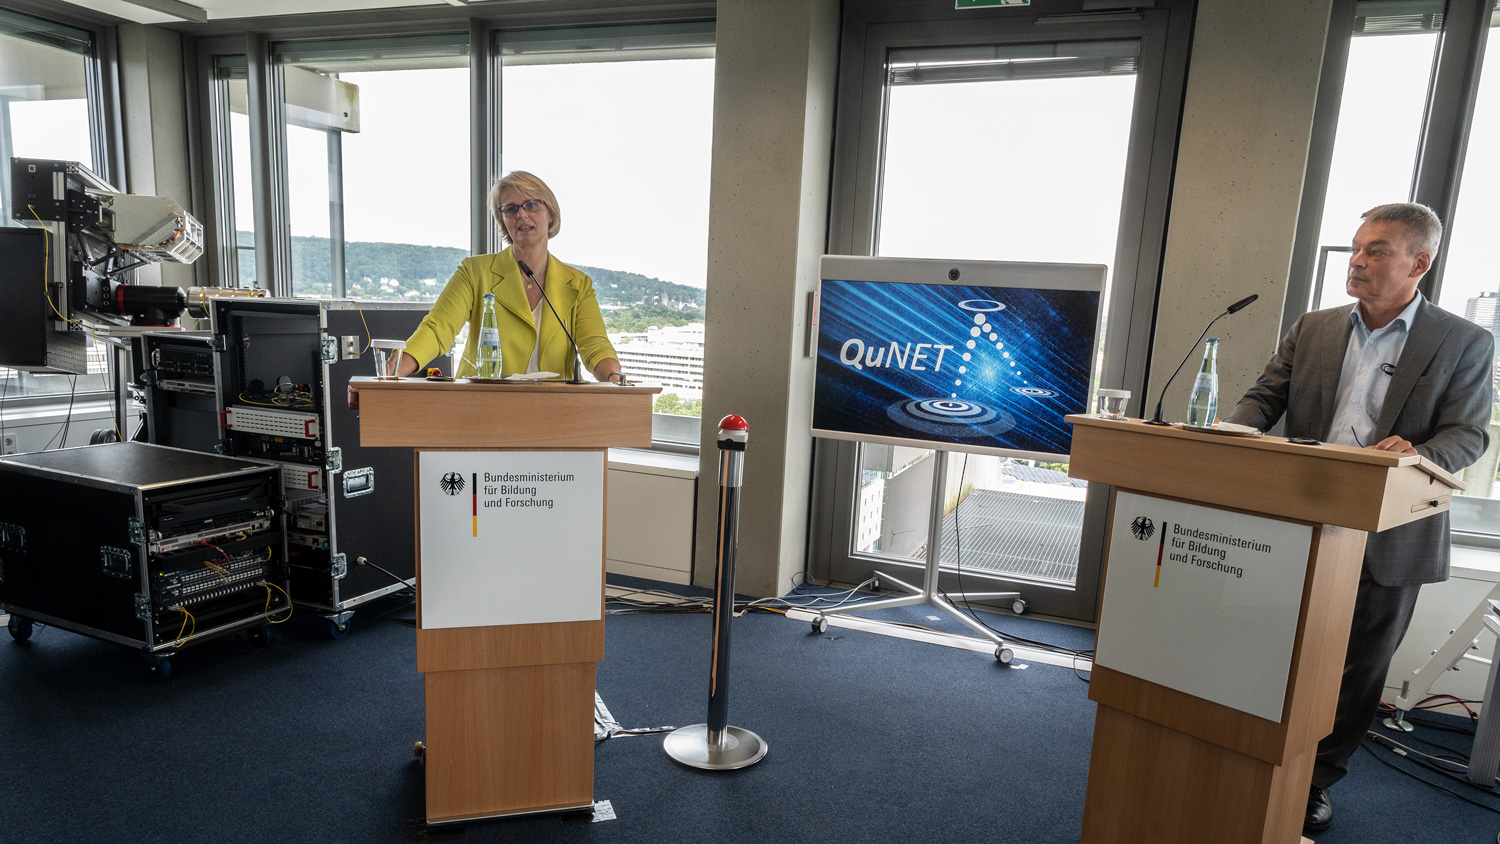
(1246, 126)
(774, 78)
(154, 105)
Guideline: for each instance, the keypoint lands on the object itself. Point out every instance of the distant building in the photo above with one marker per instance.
(1484, 310)
(670, 357)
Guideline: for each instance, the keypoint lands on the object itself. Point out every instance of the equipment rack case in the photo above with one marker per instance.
(144, 545)
(283, 373)
(176, 377)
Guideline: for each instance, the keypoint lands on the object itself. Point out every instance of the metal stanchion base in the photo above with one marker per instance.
(689, 745)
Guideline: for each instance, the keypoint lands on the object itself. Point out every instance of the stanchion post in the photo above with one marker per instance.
(717, 746)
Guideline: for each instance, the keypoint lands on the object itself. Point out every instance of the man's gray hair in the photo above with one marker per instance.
(1424, 231)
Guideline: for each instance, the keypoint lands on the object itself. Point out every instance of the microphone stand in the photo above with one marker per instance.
(573, 344)
(1237, 306)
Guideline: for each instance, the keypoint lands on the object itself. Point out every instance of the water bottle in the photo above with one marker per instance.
(1203, 404)
(487, 359)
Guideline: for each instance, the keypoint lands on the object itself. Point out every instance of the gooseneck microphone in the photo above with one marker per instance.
(577, 377)
(1232, 309)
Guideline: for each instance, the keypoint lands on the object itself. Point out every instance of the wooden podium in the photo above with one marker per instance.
(509, 706)
(1170, 766)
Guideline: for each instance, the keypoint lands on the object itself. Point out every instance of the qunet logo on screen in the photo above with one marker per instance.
(984, 367)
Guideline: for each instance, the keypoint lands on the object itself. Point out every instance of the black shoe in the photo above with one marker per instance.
(1319, 810)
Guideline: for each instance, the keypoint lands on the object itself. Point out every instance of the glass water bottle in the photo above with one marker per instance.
(487, 358)
(1203, 404)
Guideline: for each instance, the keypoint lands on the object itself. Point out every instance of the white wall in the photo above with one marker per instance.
(33, 430)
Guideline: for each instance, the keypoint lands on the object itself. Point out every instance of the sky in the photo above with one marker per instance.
(988, 170)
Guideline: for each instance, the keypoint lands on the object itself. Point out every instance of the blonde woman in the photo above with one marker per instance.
(531, 337)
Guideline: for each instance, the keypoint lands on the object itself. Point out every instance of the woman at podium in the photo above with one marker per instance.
(523, 278)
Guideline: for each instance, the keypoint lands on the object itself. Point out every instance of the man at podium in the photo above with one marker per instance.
(1396, 373)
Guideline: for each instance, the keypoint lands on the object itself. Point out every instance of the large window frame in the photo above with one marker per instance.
(1464, 29)
(102, 95)
(869, 31)
(655, 28)
(333, 58)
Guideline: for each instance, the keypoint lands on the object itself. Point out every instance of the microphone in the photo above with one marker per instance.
(1235, 308)
(1240, 305)
(577, 378)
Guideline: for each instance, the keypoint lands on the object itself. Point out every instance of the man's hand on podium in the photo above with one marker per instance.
(1396, 444)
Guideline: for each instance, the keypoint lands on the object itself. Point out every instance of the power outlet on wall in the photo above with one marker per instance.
(8, 444)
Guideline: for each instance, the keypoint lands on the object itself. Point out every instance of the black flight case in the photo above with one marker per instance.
(175, 372)
(145, 545)
(283, 371)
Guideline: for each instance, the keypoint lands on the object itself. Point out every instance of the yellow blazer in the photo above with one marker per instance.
(462, 300)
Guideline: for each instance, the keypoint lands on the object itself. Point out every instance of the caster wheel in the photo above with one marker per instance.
(1019, 606)
(820, 624)
(260, 636)
(160, 668)
(1004, 654)
(20, 628)
(419, 750)
(337, 630)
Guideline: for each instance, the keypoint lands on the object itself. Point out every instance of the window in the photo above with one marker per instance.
(1379, 129)
(618, 122)
(1413, 122)
(371, 149)
(1470, 287)
(44, 107)
(45, 113)
(992, 137)
(377, 149)
(1063, 113)
(236, 199)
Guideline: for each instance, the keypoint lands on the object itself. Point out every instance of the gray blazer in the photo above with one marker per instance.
(1439, 399)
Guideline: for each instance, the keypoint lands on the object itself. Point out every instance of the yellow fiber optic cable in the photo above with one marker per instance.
(267, 613)
(186, 616)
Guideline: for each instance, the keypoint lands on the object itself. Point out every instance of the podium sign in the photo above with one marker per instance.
(499, 530)
(1203, 600)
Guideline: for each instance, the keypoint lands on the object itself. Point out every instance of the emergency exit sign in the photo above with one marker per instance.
(985, 4)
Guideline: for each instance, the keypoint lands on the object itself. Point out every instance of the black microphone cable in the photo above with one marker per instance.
(577, 377)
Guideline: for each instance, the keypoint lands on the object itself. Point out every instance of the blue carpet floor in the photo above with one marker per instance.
(872, 739)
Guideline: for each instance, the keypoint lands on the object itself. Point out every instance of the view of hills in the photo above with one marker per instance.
(412, 273)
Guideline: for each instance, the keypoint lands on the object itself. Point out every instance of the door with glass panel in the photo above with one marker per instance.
(1003, 139)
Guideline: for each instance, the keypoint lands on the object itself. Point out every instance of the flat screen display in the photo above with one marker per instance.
(978, 356)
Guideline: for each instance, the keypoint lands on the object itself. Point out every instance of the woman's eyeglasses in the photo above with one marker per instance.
(530, 206)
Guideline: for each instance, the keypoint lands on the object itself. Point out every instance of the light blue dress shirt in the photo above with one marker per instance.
(1369, 362)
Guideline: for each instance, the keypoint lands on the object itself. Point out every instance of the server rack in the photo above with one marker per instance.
(283, 372)
(176, 377)
(151, 547)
